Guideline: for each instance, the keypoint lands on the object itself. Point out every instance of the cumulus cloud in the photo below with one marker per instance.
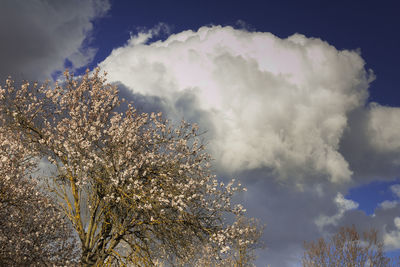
(278, 103)
(38, 35)
(288, 116)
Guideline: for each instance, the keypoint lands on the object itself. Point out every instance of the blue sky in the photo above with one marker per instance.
(300, 98)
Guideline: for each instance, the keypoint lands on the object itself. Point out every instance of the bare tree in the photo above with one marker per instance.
(136, 189)
(346, 248)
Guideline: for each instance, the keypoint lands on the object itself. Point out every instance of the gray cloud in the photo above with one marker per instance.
(38, 35)
(369, 143)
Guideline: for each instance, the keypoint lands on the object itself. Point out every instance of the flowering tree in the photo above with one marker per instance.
(137, 190)
(33, 232)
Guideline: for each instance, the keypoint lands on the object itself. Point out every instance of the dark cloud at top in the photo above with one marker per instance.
(37, 36)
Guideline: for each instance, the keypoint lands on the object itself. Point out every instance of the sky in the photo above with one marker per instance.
(299, 99)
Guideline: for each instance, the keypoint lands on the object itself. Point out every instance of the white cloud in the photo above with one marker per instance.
(144, 35)
(277, 103)
(387, 204)
(395, 189)
(343, 205)
(392, 238)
